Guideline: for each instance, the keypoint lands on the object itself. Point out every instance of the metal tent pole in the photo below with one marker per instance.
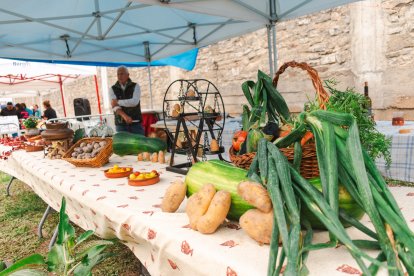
(269, 49)
(274, 47)
(150, 85)
(97, 94)
(61, 94)
(148, 58)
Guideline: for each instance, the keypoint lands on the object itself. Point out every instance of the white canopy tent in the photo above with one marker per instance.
(28, 79)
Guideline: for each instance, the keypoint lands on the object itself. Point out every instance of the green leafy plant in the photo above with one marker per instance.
(30, 122)
(350, 101)
(264, 100)
(66, 257)
(264, 115)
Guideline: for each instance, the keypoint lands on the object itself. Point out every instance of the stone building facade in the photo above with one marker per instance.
(371, 40)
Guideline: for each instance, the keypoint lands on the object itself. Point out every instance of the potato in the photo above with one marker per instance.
(198, 203)
(190, 93)
(146, 156)
(140, 157)
(216, 213)
(214, 146)
(173, 196)
(256, 195)
(257, 225)
(154, 157)
(153, 135)
(161, 157)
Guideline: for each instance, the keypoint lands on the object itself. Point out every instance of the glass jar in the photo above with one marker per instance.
(398, 118)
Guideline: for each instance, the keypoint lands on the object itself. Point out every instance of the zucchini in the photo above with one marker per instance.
(125, 143)
(223, 176)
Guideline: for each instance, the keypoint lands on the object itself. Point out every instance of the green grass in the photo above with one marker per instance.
(20, 214)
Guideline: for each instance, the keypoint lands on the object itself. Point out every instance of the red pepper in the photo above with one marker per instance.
(238, 138)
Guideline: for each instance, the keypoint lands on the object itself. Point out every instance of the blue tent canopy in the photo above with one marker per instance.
(186, 60)
(122, 31)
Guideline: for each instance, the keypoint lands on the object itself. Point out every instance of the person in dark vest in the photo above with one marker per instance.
(126, 96)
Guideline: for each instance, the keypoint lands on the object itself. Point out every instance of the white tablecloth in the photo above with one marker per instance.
(162, 241)
(402, 151)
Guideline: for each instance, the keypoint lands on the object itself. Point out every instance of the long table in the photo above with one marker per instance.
(402, 151)
(162, 241)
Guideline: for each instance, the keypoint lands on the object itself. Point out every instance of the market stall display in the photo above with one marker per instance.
(114, 209)
(275, 201)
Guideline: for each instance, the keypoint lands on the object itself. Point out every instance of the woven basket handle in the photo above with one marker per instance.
(323, 96)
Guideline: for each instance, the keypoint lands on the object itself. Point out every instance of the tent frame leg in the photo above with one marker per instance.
(42, 221)
(9, 185)
(54, 237)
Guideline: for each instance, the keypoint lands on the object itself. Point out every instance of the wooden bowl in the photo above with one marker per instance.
(144, 182)
(33, 148)
(118, 175)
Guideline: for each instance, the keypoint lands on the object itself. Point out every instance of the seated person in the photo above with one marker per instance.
(10, 110)
(49, 112)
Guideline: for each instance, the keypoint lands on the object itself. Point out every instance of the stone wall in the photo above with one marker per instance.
(398, 81)
(369, 41)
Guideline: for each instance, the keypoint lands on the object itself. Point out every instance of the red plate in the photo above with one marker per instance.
(120, 174)
(144, 182)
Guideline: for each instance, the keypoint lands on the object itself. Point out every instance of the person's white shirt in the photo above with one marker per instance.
(127, 102)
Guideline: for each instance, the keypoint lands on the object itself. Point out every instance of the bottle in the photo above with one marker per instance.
(368, 105)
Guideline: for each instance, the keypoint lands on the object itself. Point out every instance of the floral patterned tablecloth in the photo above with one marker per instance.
(162, 241)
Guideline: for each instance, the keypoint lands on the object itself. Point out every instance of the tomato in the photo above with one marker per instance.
(238, 138)
(137, 173)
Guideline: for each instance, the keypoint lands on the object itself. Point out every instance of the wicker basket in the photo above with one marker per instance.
(98, 161)
(309, 164)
